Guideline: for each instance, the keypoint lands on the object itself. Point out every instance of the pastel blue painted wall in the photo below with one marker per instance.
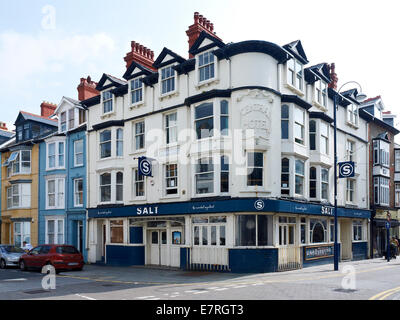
(71, 214)
(253, 260)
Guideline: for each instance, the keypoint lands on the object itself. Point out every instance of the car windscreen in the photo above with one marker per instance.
(13, 249)
(66, 250)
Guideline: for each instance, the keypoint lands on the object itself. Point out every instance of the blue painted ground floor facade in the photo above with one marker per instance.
(231, 235)
(63, 227)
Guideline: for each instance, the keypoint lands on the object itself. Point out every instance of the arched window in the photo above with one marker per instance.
(285, 185)
(312, 132)
(313, 182)
(285, 121)
(318, 231)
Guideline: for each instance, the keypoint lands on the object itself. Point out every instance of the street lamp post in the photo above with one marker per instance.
(360, 97)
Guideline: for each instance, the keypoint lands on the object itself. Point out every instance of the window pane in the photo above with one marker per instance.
(246, 230)
(263, 223)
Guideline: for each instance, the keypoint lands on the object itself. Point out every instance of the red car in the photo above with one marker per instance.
(61, 257)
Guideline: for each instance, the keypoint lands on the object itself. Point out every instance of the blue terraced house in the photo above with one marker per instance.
(62, 200)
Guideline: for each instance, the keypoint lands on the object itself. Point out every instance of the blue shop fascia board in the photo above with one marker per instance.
(226, 206)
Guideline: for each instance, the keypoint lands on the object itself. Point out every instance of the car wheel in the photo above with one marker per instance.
(3, 264)
(22, 265)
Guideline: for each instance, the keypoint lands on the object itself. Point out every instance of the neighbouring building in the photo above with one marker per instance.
(20, 186)
(240, 137)
(62, 177)
(382, 176)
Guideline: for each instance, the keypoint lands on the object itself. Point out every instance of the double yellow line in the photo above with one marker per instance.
(383, 295)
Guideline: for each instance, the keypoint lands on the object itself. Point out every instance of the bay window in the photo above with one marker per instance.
(204, 120)
(119, 189)
(285, 177)
(19, 162)
(324, 184)
(255, 165)
(324, 142)
(397, 194)
(381, 191)
(204, 176)
(312, 133)
(299, 125)
(224, 118)
(120, 142)
(313, 182)
(105, 144)
(19, 196)
(299, 177)
(116, 231)
(105, 187)
(224, 174)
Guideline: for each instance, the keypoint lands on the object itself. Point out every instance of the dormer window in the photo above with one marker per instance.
(206, 66)
(295, 74)
(107, 102)
(82, 116)
(71, 119)
(321, 93)
(352, 114)
(167, 80)
(136, 91)
(63, 119)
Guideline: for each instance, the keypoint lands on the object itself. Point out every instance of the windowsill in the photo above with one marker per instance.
(175, 196)
(107, 115)
(207, 82)
(138, 199)
(351, 124)
(54, 208)
(78, 165)
(168, 95)
(136, 105)
(320, 106)
(136, 152)
(295, 90)
(52, 169)
(255, 189)
(78, 206)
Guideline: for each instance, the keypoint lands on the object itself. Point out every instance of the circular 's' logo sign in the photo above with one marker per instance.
(346, 169)
(145, 167)
(259, 204)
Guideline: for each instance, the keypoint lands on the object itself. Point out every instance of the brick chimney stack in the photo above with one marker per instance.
(87, 89)
(200, 24)
(47, 109)
(334, 78)
(3, 126)
(141, 55)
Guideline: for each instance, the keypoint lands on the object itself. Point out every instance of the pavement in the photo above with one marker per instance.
(374, 279)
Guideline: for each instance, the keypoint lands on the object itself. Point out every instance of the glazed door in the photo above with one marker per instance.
(154, 247)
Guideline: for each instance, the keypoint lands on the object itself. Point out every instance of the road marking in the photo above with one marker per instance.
(221, 289)
(154, 299)
(190, 291)
(237, 287)
(383, 295)
(85, 297)
(146, 297)
(200, 292)
(20, 279)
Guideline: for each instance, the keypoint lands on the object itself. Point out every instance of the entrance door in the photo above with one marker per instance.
(286, 235)
(158, 247)
(79, 239)
(346, 240)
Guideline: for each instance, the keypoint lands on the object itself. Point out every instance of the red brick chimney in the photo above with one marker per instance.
(87, 89)
(334, 78)
(141, 55)
(200, 24)
(47, 109)
(3, 126)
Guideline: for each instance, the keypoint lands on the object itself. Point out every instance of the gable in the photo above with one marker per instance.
(296, 49)
(167, 57)
(136, 70)
(107, 81)
(204, 42)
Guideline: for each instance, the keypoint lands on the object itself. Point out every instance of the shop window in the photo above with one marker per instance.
(318, 231)
(22, 233)
(253, 230)
(116, 231)
(303, 227)
(357, 231)
(176, 237)
(209, 231)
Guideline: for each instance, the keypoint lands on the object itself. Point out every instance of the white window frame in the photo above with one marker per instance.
(119, 142)
(135, 184)
(208, 226)
(321, 93)
(56, 230)
(301, 140)
(103, 101)
(76, 164)
(350, 150)
(169, 78)
(294, 72)
(325, 183)
(18, 160)
(57, 154)
(104, 142)
(23, 234)
(199, 67)
(121, 185)
(59, 193)
(352, 115)
(137, 135)
(255, 167)
(134, 88)
(22, 194)
(397, 194)
(105, 185)
(302, 176)
(350, 190)
(360, 228)
(77, 193)
(324, 137)
(397, 160)
(171, 130)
